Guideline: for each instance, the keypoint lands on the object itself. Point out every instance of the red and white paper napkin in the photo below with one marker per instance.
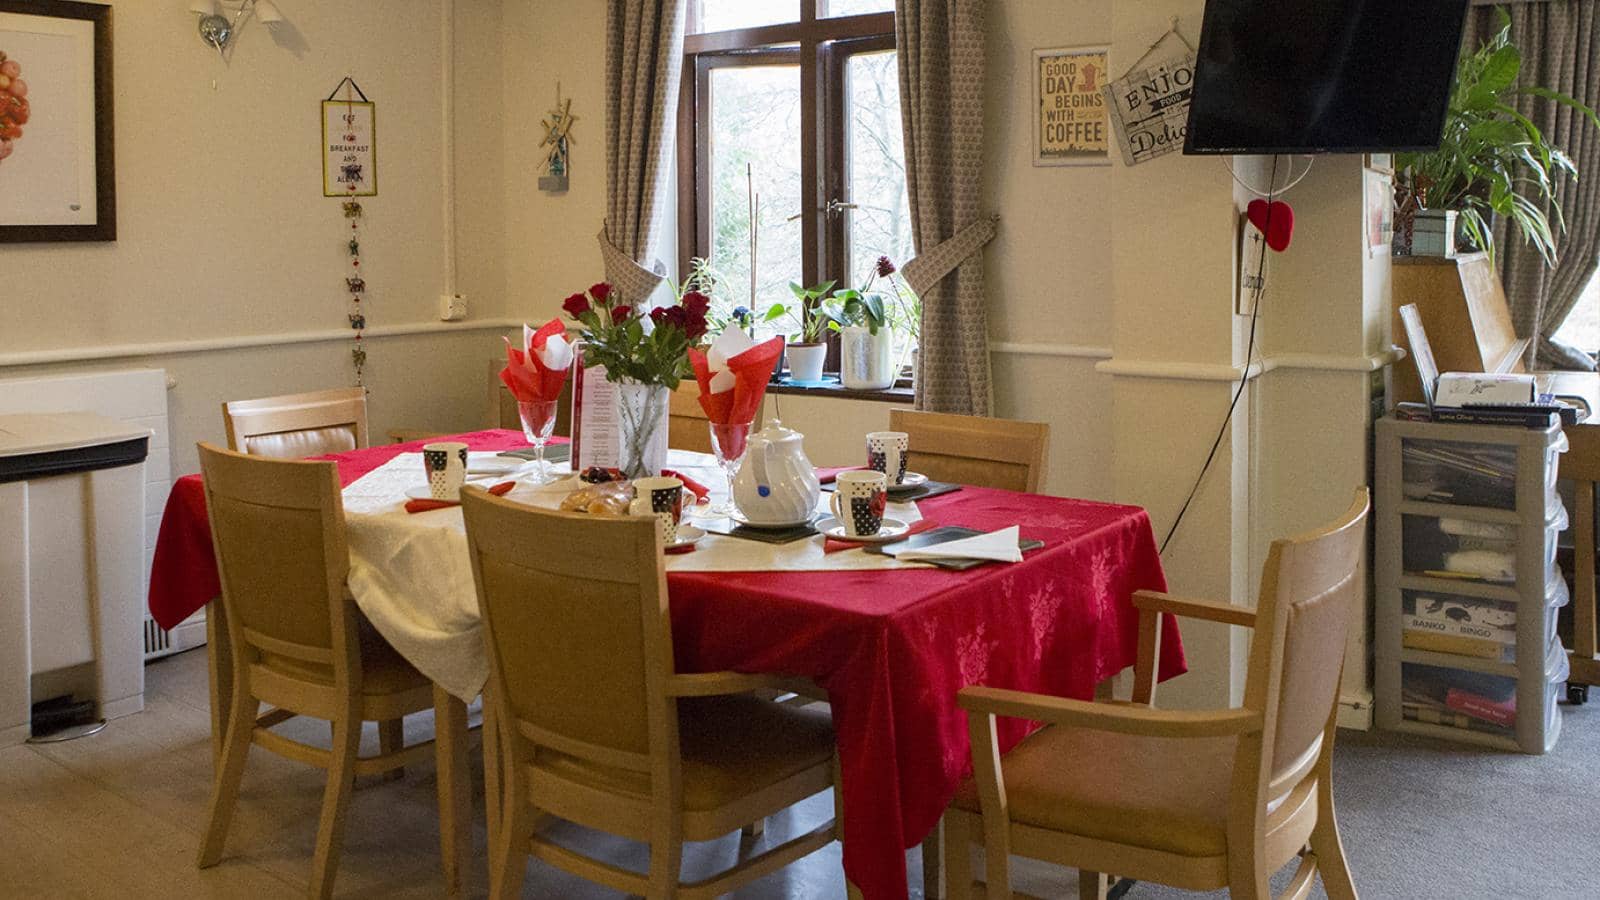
(539, 369)
(733, 374)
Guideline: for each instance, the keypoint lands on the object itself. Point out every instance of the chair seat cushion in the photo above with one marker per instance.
(732, 747)
(1158, 793)
(383, 670)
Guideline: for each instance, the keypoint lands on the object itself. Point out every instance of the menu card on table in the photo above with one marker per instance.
(596, 429)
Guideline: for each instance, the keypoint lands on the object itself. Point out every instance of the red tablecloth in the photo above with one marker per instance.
(892, 648)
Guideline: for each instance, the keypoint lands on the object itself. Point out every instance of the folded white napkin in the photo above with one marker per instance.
(1000, 546)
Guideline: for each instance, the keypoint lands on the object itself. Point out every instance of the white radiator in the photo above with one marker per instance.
(138, 397)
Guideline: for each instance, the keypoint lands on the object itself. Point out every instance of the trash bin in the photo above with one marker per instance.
(71, 548)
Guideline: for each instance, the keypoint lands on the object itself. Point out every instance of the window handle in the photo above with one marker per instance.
(834, 208)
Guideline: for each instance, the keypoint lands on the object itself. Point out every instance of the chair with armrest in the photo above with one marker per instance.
(976, 450)
(1197, 800)
(299, 643)
(594, 725)
(295, 426)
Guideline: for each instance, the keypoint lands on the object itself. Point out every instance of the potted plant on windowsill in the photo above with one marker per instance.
(867, 361)
(807, 348)
(1491, 160)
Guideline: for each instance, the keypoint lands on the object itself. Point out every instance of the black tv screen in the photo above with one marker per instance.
(1323, 76)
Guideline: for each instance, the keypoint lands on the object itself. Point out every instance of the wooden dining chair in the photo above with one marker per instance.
(1198, 800)
(295, 426)
(595, 726)
(997, 453)
(299, 643)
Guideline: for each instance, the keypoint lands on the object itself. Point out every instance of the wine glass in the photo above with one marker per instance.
(538, 420)
(728, 442)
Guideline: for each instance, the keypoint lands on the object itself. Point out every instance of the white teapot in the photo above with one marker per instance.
(776, 484)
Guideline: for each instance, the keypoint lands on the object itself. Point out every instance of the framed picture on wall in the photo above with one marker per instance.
(1071, 126)
(57, 180)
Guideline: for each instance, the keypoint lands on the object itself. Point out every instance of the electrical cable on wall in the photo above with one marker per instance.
(1260, 286)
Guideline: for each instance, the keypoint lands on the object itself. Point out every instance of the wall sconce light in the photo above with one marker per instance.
(218, 30)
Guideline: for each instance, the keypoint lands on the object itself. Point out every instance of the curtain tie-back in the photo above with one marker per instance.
(930, 268)
(631, 279)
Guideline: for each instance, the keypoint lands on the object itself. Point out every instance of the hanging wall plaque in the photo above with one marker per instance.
(1150, 103)
(1070, 128)
(349, 143)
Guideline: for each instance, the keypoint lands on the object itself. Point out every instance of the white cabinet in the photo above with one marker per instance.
(72, 509)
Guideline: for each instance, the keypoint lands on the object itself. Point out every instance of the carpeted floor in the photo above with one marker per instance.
(120, 814)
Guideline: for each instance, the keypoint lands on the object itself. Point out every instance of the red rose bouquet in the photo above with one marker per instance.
(644, 348)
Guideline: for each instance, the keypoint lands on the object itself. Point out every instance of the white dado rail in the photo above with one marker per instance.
(1186, 371)
(210, 345)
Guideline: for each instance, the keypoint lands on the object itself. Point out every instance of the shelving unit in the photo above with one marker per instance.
(1470, 674)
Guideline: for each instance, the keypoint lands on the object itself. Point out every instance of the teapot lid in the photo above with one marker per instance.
(777, 431)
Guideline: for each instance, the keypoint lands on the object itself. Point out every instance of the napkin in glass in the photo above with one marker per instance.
(733, 374)
(538, 370)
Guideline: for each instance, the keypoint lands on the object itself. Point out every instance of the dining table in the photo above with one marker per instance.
(888, 642)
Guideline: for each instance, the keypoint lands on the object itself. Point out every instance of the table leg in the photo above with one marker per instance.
(933, 886)
(219, 669)
(455, 799)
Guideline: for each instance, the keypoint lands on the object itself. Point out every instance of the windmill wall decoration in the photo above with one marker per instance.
(558, 138)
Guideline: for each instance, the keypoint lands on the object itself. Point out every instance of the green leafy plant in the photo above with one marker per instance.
(1491, 159)
(811, 312)
(856, 308)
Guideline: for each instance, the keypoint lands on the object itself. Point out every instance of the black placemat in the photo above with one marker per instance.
(730, 528)
(552, 453)
(918, 492)
(941, 535)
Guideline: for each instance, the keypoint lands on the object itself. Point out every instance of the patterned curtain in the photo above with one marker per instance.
(644, 53)
(1560, 44)
(941, 51)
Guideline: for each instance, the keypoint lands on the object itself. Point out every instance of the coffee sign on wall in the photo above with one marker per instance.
(1071, 128)
(1151, 108)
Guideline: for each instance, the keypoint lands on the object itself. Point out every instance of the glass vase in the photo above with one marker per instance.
(642, 428)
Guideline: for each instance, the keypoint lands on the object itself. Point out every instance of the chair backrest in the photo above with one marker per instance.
(575, 624)
(1311, 590)
(277, 527)
(997, 453)
(295, 426)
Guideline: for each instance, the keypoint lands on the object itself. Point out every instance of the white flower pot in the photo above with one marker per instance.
(805, 361)
(866, 360)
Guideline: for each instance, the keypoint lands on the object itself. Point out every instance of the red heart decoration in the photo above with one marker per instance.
(1275, 220)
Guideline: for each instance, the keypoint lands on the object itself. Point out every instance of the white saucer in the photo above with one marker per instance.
(687, 535)
(892, 530)
(422, 492)
(739, 517)
(499, 465)
(912, 480)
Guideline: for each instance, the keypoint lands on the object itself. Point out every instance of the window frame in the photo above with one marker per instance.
(823, 46)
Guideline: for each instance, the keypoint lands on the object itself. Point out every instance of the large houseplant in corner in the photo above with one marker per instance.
(1491, 159)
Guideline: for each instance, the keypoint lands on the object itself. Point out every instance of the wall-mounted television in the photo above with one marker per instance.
(1323, 76)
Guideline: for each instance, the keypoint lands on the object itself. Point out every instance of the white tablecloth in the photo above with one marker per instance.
(411, 576)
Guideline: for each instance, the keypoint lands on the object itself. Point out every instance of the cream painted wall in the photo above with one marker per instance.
(224, 233)
(551, 249)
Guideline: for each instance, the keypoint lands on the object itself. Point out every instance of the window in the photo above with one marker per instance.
(1582, 327)
(791, 120)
